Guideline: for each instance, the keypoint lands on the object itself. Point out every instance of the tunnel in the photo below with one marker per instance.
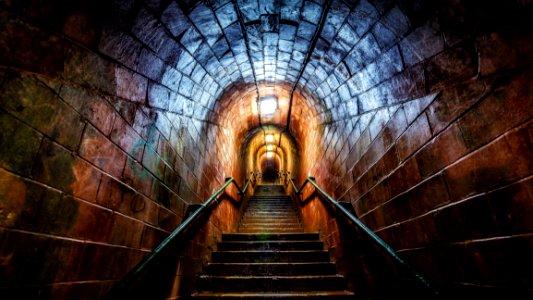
(120, 118)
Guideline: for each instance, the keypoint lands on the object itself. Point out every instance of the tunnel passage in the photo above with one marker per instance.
(118, 115)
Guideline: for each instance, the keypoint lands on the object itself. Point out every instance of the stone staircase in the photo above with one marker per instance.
(271, 257)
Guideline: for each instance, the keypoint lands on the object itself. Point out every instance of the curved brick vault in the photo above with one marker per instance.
(116, 116)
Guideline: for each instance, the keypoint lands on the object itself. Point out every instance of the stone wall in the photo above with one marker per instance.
(95, 170)
(435, 151)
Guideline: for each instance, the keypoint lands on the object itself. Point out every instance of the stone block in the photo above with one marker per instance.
(418, 232)
(453, 65)
(362, 17)
(428, 195)
(306, 30)
(152, 237)
(311, 12)
(494, 165)
(334, 20)
(90, 106)
(29, 48)
(192, 39)
(158, 96)
(91, 222)
(385, 37)
(101, 152)
(54, 165)
(511, 206)
(423, 43)
(120, 46)
(174, 19)
(136, 176)
(127, 139)
(505, 108)
(125, 231)
(403, 178)
(18, 145)
(13, 191)
(441, 151)
(414, 137)
(89, 69)
(397, 21)
(149, 65)
(33, 102)
(504, 50)
(469, 219)
(148, 30)
(91, 290)
(452, 102)
(33, 259)
(395, 127)
(409, 84)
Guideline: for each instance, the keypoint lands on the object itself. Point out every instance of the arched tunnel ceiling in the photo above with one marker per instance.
(213, 53)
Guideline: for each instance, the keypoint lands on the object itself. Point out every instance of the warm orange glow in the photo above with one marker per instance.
(270, 148)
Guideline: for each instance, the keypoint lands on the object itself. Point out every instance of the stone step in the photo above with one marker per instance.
(270, 283)
(278, 269)
(270, 201)
(268, 221)
(330, 295)
(267, 197)
(274, 228)
(270, 245)
(271, 225)
(270, 237)
(270, 213)
(269, 256)
(273, 216)
(254, 219)
(271, 208)
(270, 230)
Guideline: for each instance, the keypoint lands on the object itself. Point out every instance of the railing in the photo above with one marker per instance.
(141, 267)
(373, 236)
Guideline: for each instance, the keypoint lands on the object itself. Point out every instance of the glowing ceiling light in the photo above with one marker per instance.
(270, 154)
(270, 148)
(269, 138)
(268, 105)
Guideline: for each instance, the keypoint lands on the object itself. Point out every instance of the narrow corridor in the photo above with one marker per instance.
(132, 129)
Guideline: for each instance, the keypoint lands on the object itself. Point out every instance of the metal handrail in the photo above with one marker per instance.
(373, 236)
(142, 266)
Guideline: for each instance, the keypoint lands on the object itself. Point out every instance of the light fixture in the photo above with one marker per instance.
(270, 148)
(268, 105)
(269, 138)
(270, 154)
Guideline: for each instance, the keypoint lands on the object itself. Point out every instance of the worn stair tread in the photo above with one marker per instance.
(279, 295)
(270, 251)
(269, 236)
(271, 268)
(272, 263)
(271, 224)
(272, 242)
(271, 283)
(274, 277)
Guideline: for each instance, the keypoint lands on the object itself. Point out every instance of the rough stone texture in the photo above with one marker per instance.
(121, 114)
